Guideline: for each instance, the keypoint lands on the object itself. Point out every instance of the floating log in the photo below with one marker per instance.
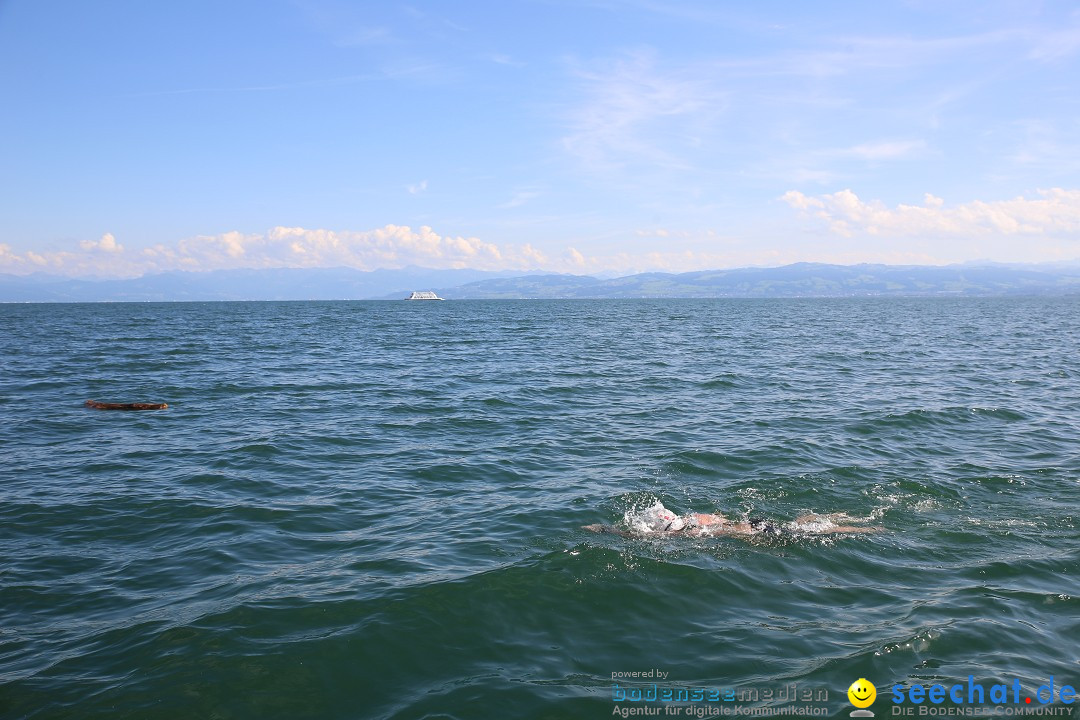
(125, 406)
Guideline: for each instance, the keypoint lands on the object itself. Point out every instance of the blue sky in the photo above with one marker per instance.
(595, 137)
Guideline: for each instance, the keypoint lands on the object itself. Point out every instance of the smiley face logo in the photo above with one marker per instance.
(862, 693)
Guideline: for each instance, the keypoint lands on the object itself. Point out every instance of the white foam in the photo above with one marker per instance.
(817, 525)
(655, 518)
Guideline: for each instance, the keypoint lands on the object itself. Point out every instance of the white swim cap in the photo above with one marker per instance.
(676, 525)
(657, 519)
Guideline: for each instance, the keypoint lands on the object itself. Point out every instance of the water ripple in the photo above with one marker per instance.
(375, 509)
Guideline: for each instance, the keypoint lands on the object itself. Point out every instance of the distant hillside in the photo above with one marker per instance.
(799, 280)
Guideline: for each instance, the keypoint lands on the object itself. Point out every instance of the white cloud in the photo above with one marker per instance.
(1058, 45)
(501, 59)
(392, 246)
(364, 36)
(1047, 146)
(848, 55)
(107, 243)
(104, 257)
(885, 150)
(1056, 212)
(633, 112)
(343, 24)
(680, 234)
(8, 258)
(672, 260)
(519, 199)
(417, 188)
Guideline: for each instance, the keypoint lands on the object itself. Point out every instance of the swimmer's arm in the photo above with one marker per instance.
(726, 528)
(602, 528)
(853, 529)
(832, 519)
(612, 530)
(709, 530)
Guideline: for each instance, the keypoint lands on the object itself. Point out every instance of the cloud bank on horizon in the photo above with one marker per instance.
(1056, 213)
(616, 136)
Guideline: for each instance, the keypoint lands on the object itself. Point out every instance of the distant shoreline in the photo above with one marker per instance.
(1043, 296)
(800, 280)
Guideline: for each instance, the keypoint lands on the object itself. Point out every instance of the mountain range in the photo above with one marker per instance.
(797, 280)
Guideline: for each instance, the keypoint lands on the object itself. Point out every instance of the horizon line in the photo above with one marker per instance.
(983, 263)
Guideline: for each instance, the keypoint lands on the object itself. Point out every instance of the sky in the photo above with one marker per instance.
(584, 136)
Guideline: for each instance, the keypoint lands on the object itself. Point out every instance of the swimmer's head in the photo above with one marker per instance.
(656, 519)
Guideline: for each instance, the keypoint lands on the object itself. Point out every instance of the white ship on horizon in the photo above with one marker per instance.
(423, 295)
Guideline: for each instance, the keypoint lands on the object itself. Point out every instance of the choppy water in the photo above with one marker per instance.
(373, 510)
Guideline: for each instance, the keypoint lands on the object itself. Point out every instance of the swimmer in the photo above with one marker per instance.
(658, 520)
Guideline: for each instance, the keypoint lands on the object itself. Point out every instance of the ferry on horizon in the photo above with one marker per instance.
(423, 295)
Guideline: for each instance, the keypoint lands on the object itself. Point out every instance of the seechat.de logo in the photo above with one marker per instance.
(862, 694)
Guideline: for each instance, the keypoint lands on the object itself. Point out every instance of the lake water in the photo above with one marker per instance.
(374, 509)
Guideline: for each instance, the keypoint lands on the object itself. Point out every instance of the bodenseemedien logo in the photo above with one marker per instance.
(862, 694)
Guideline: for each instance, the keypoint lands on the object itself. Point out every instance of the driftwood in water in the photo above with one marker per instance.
(125, 406)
